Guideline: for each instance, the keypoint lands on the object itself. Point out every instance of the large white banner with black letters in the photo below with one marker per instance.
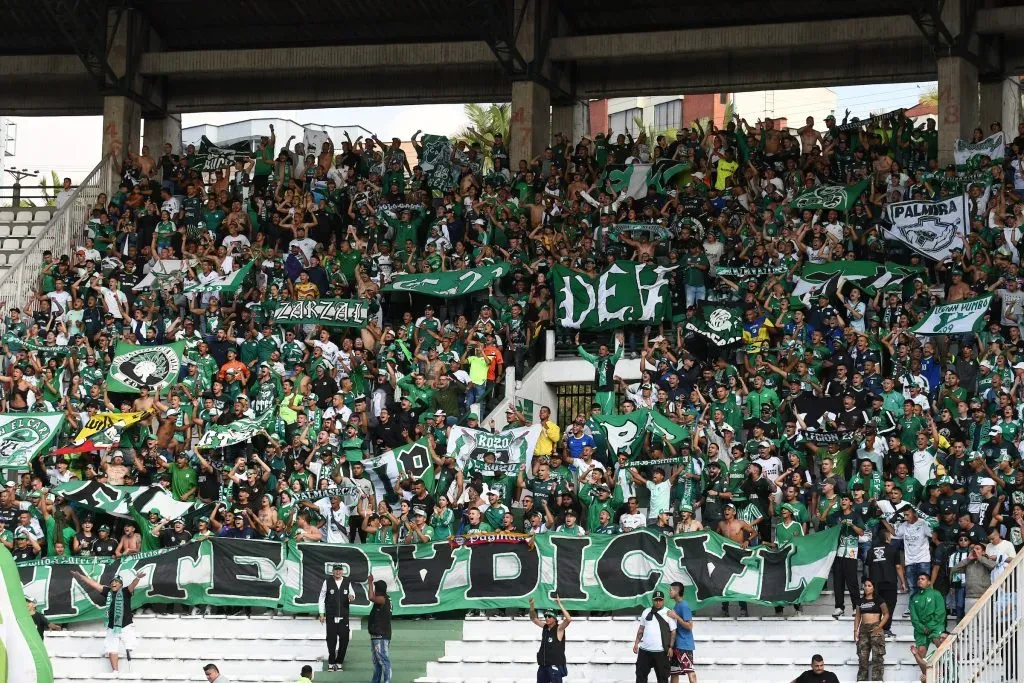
(933, 229)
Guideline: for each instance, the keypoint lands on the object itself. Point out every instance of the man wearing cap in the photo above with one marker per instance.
(655, 640)
(604, 372)
(118, 600)
(335, 595)
(551, 663)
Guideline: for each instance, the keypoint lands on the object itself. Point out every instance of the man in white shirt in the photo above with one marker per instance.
(335, 514)
(64, 195)
(916, 536)
(305, 244)
(655, 637)
(998, 547)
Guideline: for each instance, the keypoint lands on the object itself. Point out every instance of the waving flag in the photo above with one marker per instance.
(102, 431)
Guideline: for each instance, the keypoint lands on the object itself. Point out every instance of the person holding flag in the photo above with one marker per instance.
(604, 372)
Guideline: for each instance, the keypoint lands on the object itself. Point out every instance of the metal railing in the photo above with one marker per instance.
(987, 646)
(67, 228)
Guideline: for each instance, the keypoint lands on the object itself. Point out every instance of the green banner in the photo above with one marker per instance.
(511, 446)
(722, 326)
(448, 284)
(626, 432)
(436, 161)
(122, 501)
(15, 344)
(228, 284)
(145, 367)
(830, 197)
(219, 436)
(867, 276)
(955, 318)
(24, 435)
(624, 294)
(590, 572)
(326, 312)
(653, 231)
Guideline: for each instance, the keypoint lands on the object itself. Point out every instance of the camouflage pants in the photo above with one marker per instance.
(870, 654)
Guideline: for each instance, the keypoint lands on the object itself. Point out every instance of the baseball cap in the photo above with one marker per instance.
(658, 595)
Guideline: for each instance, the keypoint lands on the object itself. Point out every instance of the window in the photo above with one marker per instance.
(625, 121)
(668, 116)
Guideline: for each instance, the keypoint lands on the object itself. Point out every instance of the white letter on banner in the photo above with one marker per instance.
(606, 292)
(652, 295)
(569, 301)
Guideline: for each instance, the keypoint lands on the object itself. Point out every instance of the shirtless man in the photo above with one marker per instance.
(808, 136)
(736, 529)
(145, 402)
(146, 162)
(644, 247)
(18, 389)
(131, 541)
(740, 532)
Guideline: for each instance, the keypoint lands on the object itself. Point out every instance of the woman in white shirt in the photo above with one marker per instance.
(856, 310)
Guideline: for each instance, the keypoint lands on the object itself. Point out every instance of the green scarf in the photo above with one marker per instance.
(117, 599)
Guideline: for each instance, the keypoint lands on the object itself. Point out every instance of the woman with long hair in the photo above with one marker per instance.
(869, 634)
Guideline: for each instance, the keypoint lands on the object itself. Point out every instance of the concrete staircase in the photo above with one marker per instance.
(761, 647)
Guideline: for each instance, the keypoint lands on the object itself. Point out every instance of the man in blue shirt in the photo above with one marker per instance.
(682, 655)
(577, 438)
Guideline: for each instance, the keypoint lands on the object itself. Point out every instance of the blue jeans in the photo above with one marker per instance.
(914, 570)
(550, 674)
(695, 294)
(475, 393)
(381, 660)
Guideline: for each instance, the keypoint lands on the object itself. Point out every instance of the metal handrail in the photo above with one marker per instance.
(65, 229)
(954, 652)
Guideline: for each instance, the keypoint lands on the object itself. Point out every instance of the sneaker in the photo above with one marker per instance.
(838, 612)
(743, 613)
(890, 636)
(798, 609)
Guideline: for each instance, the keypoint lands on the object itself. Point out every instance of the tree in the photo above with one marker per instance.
(484, 123)
(929, 97)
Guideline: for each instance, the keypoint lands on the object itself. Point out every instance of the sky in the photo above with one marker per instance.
(70, 145)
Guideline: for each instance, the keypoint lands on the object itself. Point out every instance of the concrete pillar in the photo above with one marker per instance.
(158, 131)
(570, 119)
(958, 103)
(530, 121)
(122, 126)
(1000, 101)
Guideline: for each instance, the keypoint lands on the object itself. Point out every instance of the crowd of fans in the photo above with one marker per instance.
(925, 479)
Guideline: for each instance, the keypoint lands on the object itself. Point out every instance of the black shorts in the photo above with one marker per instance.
(681, 662)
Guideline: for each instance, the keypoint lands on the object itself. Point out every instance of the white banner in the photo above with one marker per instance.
(313, 140)
(934, 229)
(956, 318)
(511, 447)
(994, 147)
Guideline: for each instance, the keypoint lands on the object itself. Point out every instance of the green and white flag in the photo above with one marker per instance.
(414, 462)
(933, 229)
(436, 161)
(967, 155)
(326, 312)
(663, 172)
(228, 284)
(145, 367)
(384, 471)
(448, 284)
(165, 273)
(867, 276)
(24, 435)
(830, 197)
(624, 294)
(122, 501)
(221, 436)
(23, 657)
(624, 432)
(956, 318)
(211, 156)
(488, 571)
(722, 326)
(511, 447)
(628, 178)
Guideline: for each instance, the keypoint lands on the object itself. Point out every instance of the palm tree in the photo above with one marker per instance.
(929, 97)
(484, 123)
